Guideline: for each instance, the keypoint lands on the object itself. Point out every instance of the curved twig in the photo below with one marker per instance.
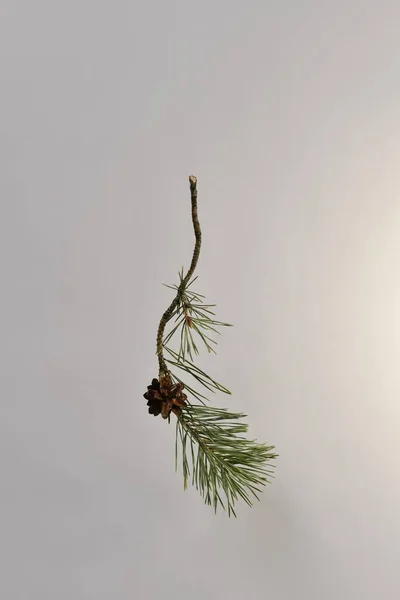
(196, 253)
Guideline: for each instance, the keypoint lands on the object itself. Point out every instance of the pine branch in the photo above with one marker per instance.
(223, 465)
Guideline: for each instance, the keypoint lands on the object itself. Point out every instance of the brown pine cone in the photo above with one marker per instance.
(164, 397)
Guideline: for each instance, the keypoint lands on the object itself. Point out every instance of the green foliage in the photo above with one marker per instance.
(193, 317)
(221, 459)
(220, 462)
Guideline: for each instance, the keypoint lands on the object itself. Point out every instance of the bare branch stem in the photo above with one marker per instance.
(196, 253)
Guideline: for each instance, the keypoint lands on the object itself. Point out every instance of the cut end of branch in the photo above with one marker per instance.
(192, 181)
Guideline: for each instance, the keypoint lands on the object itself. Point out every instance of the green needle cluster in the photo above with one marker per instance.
(223, 465)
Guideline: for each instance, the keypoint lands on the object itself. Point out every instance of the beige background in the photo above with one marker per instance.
(288, 113)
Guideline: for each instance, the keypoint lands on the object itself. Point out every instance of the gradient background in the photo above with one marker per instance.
(288, 113)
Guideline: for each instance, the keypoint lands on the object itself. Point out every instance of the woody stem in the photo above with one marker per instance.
(196, 253)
